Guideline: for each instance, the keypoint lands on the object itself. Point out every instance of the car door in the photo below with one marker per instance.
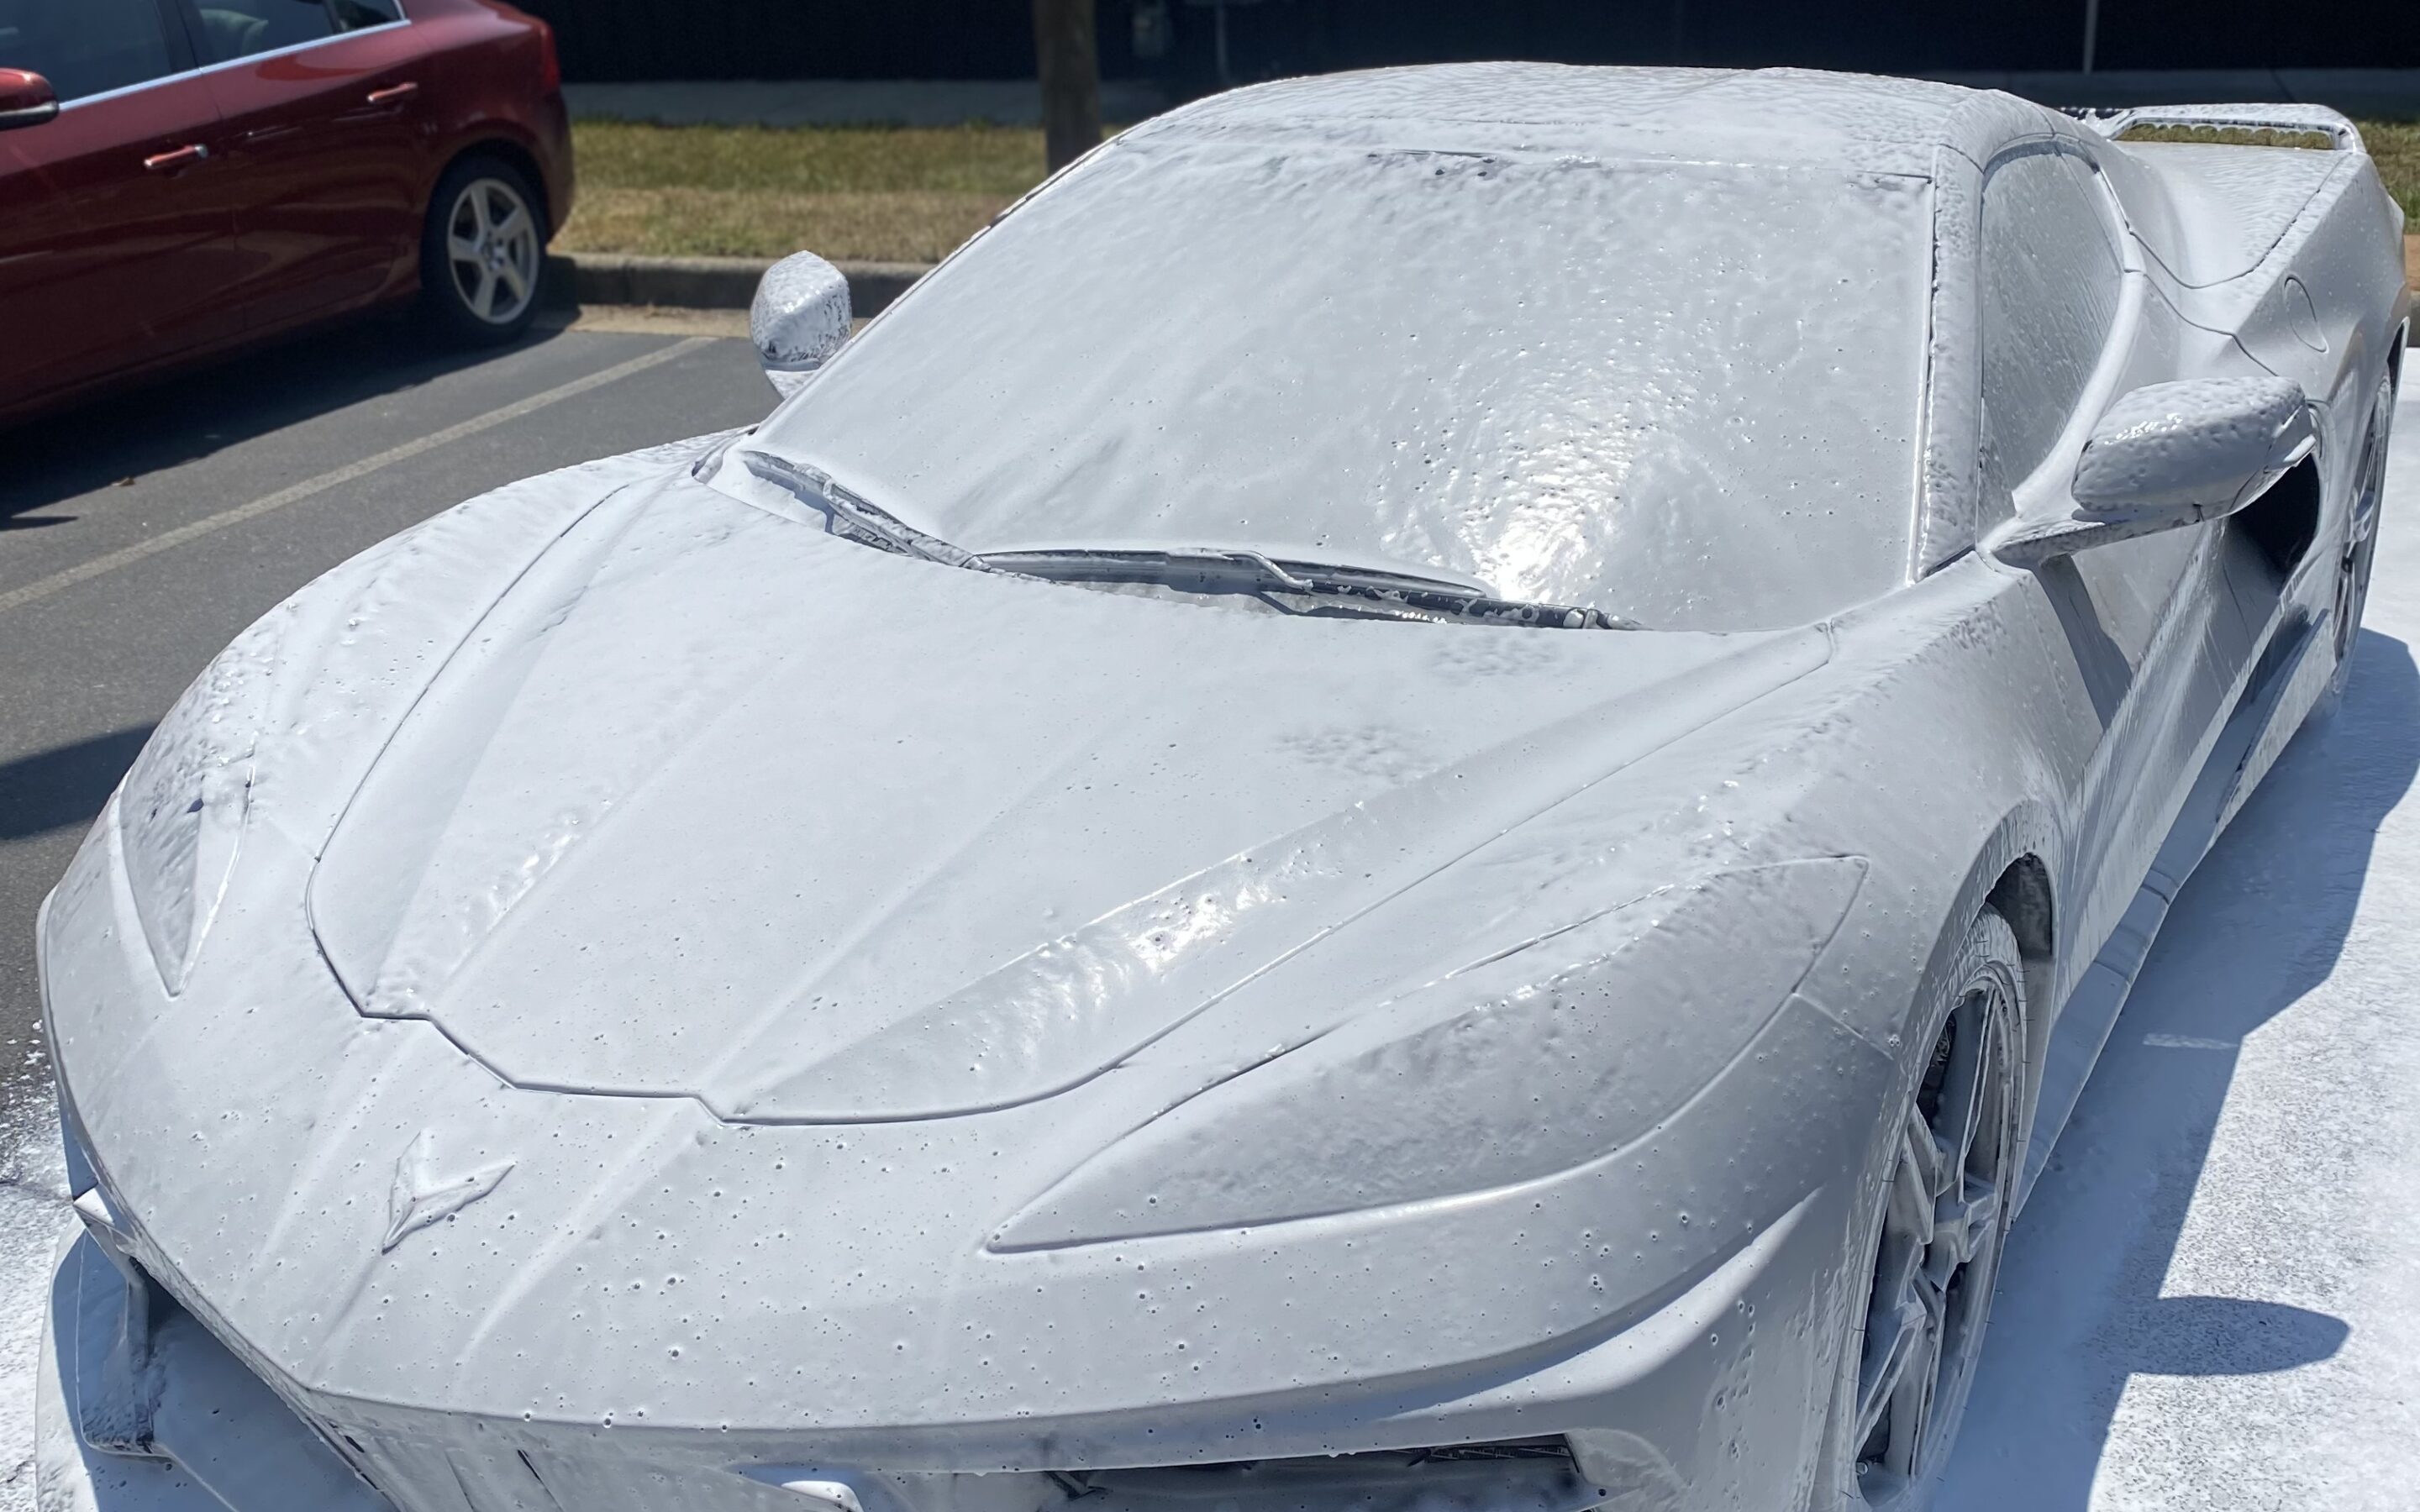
(324, 123)
(2139, 615)
(116, 227)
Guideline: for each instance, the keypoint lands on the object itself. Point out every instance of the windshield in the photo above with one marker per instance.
(1685, 395)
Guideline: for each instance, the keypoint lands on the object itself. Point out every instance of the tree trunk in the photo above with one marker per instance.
(1070, 67)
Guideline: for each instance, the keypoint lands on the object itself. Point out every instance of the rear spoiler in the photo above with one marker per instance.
(2314, 118)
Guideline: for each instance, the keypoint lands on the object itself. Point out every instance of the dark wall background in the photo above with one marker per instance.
(604, 40)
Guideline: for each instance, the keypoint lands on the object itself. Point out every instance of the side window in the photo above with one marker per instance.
(240, 28)
(2050, 274)
(86, 47)
(352, 15)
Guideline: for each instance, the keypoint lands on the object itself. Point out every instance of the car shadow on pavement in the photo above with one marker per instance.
(123, 434)
(64, 787)
(2081, 1311)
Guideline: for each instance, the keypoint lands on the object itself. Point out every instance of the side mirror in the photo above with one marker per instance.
(2171, 454)
(798, 319)
(26, 99)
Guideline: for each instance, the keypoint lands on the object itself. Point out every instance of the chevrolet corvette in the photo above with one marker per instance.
(1422, 796)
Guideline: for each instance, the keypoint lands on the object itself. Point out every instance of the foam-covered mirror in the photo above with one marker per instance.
(2172, 455)
(799, 317)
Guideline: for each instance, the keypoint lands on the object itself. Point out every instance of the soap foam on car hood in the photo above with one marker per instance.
(713, 805)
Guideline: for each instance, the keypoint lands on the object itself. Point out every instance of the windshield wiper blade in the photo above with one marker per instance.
(1308, 588)
(865, 523)
(1322, 588)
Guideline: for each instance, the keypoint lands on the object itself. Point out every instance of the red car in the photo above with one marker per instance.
(181, 177)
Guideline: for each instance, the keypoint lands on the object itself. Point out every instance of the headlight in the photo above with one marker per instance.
(1563, 1049)
(180, 809)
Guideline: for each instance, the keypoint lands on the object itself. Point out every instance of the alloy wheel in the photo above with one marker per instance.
(491, 247)
(1939, 1251)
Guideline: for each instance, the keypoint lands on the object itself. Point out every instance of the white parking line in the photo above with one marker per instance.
(42, 588)
(2187, 1042)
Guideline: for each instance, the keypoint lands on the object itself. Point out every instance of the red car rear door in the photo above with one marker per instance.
(116, 227)
(325, 125)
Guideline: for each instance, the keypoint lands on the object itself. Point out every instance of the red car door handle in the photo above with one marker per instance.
(184, 157)
(394, 92)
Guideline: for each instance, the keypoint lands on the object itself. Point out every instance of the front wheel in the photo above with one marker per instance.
(483, 251)
(1935, 1251)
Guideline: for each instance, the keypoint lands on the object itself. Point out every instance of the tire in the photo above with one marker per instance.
(1929, 1250)
(483, 252)
(2361, 547)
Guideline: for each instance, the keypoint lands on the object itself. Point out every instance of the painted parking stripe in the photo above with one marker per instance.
(84, 572)
(2188, 1041)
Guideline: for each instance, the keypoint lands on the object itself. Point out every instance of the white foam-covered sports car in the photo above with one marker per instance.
(1422, 797)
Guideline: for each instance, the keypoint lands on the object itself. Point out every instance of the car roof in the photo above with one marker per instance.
(1785, 117)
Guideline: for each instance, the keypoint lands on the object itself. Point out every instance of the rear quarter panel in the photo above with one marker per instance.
(2296, 253)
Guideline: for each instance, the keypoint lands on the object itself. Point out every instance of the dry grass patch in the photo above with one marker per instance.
(913, 193)
(912, 226)
(857, 193)
(2395, 148)
(2231, 136)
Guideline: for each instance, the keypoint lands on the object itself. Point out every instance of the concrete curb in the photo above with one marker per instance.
(704, 282)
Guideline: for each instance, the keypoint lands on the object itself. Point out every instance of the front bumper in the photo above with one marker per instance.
(208, 1435)
(217, 1439)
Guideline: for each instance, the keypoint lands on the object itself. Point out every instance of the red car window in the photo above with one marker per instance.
(88, 46)
(352, 15)
(239, 28)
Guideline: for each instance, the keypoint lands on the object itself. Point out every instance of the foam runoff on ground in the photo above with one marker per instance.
(33, 1210)
(2210, 1300)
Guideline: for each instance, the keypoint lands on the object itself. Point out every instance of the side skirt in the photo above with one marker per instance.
(2294, 671)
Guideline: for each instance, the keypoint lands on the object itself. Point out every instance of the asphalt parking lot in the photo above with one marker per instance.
(139, 533)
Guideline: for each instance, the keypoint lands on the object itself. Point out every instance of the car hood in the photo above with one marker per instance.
(714, 805)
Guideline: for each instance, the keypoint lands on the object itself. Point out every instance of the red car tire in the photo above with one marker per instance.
(483, 251)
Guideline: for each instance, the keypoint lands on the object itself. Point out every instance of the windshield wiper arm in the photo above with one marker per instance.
(866, 523)
(1328, 588)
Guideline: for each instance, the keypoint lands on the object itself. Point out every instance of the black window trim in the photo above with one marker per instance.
(184, 53)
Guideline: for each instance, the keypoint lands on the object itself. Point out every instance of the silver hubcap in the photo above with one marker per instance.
(1940, 1247)
(491, 245)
